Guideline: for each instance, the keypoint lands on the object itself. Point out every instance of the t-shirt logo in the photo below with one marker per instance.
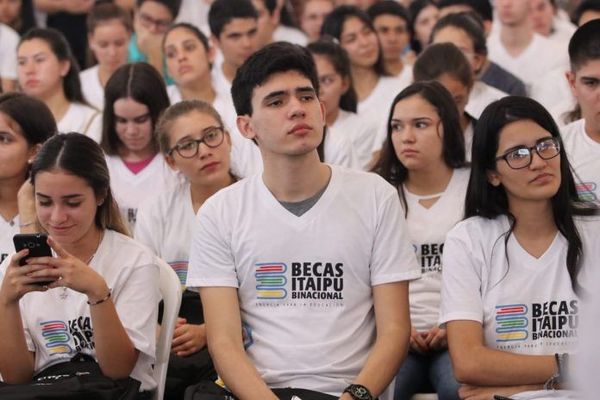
(271, 281)
(181, 269)
(511, 322)
(587, 191)
(56, 337)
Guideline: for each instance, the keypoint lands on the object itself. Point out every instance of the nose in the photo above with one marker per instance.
(407, 135)
(57, 215)
(131, 127)
(296, 108)
(536, 161)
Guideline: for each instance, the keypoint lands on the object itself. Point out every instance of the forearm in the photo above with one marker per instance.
(489, 367)
(115, 351)
(237, 371)
(16, 361)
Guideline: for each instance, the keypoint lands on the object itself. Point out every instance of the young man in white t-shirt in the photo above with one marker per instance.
(582, 138)
(302, 270)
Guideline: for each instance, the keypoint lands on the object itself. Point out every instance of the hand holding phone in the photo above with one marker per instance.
(37, 244)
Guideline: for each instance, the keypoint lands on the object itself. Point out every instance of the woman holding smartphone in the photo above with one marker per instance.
(21, 136)
(514, 269)
(103, 298)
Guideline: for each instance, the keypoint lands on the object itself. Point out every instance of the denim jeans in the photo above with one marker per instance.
(426, 373)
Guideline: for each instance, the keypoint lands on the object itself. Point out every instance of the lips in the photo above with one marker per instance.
(59, 229)
(542, 178)
(32, 82)
(300, 129)
(184, 69)
(210, 166)
(408, 152)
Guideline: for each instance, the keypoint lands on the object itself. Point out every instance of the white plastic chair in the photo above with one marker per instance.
(170, 289)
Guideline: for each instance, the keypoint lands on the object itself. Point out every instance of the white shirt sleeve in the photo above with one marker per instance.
(461, 278)
(9, 41)
(148, 229)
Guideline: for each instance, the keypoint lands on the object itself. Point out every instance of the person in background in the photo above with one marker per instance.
(423, 158)
(151, 19)
(392, 24)
(18, 14)
(270, 28)
(135, 98)
(109, 31)
(25, 124)
(9, 41)
(48, 71)
(311, 14)
(424, 14)
(547, 21)
(586, 11)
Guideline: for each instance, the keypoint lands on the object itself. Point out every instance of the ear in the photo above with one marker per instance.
(214, 42)
(345, 84)
(211, 54)
(64, 68)
(245, 127)
(171, 162)
(478, 61)
(33, 150)
(571, 78)
(493, 178)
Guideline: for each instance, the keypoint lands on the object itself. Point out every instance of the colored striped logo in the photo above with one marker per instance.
(511, 322)
(587, 191)
(181, 269)
(271, 281)
(57, 337)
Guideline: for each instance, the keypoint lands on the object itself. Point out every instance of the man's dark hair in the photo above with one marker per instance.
(172, 5)
(584, 45)
(481, 7)
(272, 59)
(389, 7)
(584, 6)
(223, 11)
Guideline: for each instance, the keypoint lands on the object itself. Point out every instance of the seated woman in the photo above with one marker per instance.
(422, 157)
(194, 142)
(48, 71)
(337, 93)
(25, 124)
(513, 270)
(456, 75)
(109, 30)
(135, 98)
(103, 294)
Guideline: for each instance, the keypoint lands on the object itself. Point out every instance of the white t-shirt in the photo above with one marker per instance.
(481, 96)
(541, 57)
(82, 119)
(9, 41)
(525, 305)
(7, 230)
(339, 149)
(584, 156)
(219, 80)
(164, 224)
(286, 34)
(91, 87)
(130, 189)
(362, 133)
(552, 89)
(427, 228)
(304, 283)
(58, 324)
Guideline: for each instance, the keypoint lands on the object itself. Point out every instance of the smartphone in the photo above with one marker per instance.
(37, 243)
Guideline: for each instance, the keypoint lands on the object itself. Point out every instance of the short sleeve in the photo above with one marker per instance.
(461, 278)
(148, 230)
(211, 257)
(9, 41)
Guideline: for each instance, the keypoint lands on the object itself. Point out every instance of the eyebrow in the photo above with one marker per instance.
(69, 196)
(203, 131)
(299, 90)
(136, 117)
(412, 119)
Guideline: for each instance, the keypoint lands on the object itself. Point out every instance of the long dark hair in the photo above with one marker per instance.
(144, 84)
(60, 48)
(34, 118)
(453, 145)
(488, 201)
(338, 57)
(79, 155)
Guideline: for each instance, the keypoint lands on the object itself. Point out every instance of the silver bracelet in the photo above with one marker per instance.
(101, 300)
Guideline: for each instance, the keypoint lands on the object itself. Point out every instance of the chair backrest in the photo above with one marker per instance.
(170, 289)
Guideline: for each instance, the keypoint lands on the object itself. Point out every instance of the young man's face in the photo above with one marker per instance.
(238, 40)
(585, 85)
(512, 12)
(152, 17)
(392, 32)
(287, 117)
(542, 16)
(266, 22)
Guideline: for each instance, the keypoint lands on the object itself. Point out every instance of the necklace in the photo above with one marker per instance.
(64, 294)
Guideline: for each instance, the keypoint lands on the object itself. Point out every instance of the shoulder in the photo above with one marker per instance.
(89, 73)
(480, 230)
(130, 253)
(361, 184)
(167, 200)
(10, 38)
(233, 195)
(569, 131)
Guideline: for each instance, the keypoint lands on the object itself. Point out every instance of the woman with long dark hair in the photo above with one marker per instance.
(423, 158)
(514, 269)
(98, 293)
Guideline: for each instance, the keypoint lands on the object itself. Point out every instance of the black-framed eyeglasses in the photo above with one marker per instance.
(188, 148)
(521, 157)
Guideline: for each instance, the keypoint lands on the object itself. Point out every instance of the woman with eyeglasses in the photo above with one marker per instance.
(515, 267)
(135, 96)
(423, 158)
(193, 142)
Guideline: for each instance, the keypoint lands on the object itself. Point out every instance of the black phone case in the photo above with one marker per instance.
(37, 243)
